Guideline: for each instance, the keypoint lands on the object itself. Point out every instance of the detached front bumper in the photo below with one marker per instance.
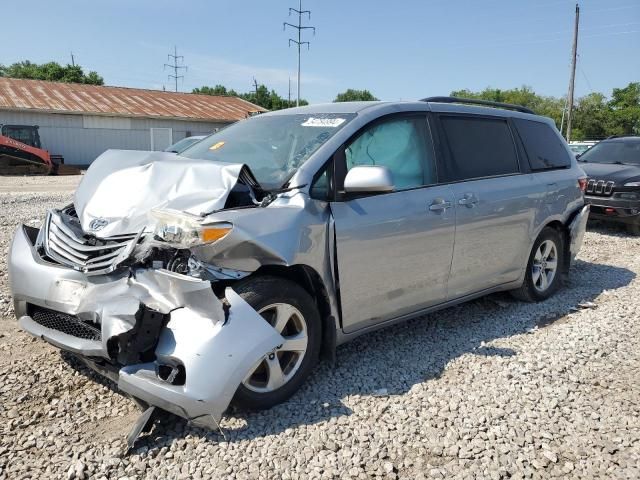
(614, 209)
(172, 342)
(577, 229)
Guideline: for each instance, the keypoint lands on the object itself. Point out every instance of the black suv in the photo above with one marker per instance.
(613, 188)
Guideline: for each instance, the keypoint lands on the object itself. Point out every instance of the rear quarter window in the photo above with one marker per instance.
(479, 147)
(544, 148)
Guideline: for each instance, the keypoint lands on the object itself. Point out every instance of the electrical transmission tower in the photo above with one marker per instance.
(299, 27)
(175, 66)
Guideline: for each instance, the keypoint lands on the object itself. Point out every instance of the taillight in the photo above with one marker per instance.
(582, 184)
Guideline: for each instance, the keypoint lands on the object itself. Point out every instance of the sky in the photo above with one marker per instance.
(400, 50)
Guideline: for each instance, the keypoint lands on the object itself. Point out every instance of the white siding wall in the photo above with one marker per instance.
(81, 138)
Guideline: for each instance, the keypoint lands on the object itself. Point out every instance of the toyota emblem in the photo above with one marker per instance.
(98, 224)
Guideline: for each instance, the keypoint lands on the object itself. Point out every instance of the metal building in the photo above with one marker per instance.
(82, 121)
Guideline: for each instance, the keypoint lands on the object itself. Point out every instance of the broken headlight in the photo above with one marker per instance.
(181, 230)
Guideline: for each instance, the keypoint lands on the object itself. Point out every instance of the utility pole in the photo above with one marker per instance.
(73, 62)
(289, 98)
(572, 81)
(299, 42)
(175, 66)
(255, 86)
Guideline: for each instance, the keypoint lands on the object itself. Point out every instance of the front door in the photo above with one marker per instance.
(394, 250)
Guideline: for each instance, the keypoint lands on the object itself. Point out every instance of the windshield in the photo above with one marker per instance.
(273, 147)
(625, 151)
(182, 144)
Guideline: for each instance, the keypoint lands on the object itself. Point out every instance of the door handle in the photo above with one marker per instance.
(439, 205)
(469, 199)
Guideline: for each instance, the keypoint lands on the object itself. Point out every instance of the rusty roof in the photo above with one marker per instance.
(75, 98)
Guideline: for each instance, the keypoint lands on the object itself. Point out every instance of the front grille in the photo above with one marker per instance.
(64, 242)
(599, 187)
(65, 323)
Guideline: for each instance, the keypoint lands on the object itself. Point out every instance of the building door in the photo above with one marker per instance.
(161, 138)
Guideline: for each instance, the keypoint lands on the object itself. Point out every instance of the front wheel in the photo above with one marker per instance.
(293, 313)
(543, 276)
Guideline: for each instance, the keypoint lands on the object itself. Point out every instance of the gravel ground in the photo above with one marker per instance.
(490, 389)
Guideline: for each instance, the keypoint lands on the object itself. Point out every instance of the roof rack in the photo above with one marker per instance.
(473, 101)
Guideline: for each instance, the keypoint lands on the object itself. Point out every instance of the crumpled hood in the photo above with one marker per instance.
(122, 186)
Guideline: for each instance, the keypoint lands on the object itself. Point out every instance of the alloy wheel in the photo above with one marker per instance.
(545, 265)
(280, 365)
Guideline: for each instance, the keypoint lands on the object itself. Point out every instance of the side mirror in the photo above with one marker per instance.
(368, 179)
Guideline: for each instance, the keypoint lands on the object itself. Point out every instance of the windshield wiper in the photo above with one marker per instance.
(271, 194)
(276, 191)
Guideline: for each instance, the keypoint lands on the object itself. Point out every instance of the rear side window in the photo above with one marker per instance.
(544, 149)
(479, 147)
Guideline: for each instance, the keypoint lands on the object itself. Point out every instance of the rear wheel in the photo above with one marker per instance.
(543, 276)
(293, 313)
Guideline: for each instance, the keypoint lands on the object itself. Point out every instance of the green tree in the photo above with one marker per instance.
(546, 106)
(525, 96)
(352, 95)
(262, 96)
(592, 117)
(51, 71)
(625, 105)
(217, 90)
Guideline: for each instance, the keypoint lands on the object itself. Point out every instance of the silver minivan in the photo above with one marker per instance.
(225, 272)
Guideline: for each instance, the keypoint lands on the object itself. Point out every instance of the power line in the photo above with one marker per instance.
(175, 66)
(539, 37)
(625, 7)
(299, 42)
(585, 77)
(611, 34)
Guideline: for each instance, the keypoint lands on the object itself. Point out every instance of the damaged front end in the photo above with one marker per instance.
(128, 296)
(173, 343)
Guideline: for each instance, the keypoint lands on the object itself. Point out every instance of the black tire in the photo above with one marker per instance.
(261, 292)
(529, 292)
(634, 228)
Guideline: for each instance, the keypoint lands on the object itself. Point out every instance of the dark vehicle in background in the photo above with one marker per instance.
(183, 144)
(613, 185)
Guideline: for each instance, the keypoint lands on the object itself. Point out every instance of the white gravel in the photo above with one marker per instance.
(490, 389)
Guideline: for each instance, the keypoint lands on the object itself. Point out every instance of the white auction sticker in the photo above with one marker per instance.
(323, 122)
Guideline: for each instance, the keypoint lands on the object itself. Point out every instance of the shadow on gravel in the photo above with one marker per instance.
(611, 229)
(79, 366)
(392, 360)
